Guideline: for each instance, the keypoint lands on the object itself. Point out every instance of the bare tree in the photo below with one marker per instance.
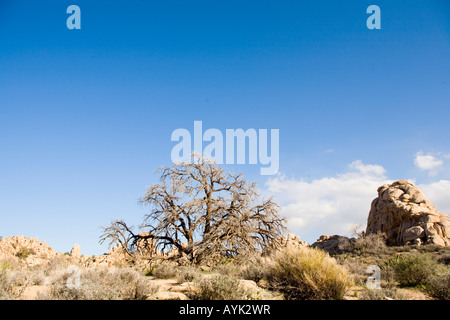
(202, 212)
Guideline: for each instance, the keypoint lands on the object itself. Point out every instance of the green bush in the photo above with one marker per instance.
(307, 274)
(414, 269)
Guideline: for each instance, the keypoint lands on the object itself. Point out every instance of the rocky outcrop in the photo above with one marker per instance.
(406, 216)
(116, 256)
(27, 250)
(291, 240)
(335, 244)
(75, 253)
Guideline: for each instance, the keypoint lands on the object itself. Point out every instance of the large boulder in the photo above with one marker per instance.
(406, 216)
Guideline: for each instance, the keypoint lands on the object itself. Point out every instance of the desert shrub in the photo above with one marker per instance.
(56, 263)
(229, 269)
(254, 270)
(371, 243)
(222, 287)
(253, 267)
(4, 265)
(6, 285)
(43, 273)
(414, 269)
(307, 273)
(37, 277)
(382, 294)
(144, 290)
(443, 255)
(388, 276)
(10, 263)
(24, 252)
(8, 281)
(438, 286)
(357, 268)
(104, 284)
(188, 274)
(165, 271)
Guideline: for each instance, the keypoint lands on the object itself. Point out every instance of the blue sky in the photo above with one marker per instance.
(86, 115)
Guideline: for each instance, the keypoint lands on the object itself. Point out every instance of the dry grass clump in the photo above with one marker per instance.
(221, 287)
(383, 294)
(372, 243)
(38, 275)
(6, 285)
(188, 274)
(9, 264)
(182, 274)
(165, 270)
(307, 274)
(229, 268)
(254, 269)
(225, 287)
(56, 276)
(103, 284)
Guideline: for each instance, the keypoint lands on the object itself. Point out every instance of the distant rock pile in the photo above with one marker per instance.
(406, 216)
(29, 250)
(291, 240)
(115, 256)
(334, 244)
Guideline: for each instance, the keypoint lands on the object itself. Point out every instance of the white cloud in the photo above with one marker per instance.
(438, 193)
(428, 162)
(330, 205)
(333, 205)
(370, 169)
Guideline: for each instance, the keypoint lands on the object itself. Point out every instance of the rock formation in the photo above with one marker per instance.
(406, 216)
(287, 241)
(115, 256)
(75, 253)
(335, 244)
(28, 250)
(292, 240)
